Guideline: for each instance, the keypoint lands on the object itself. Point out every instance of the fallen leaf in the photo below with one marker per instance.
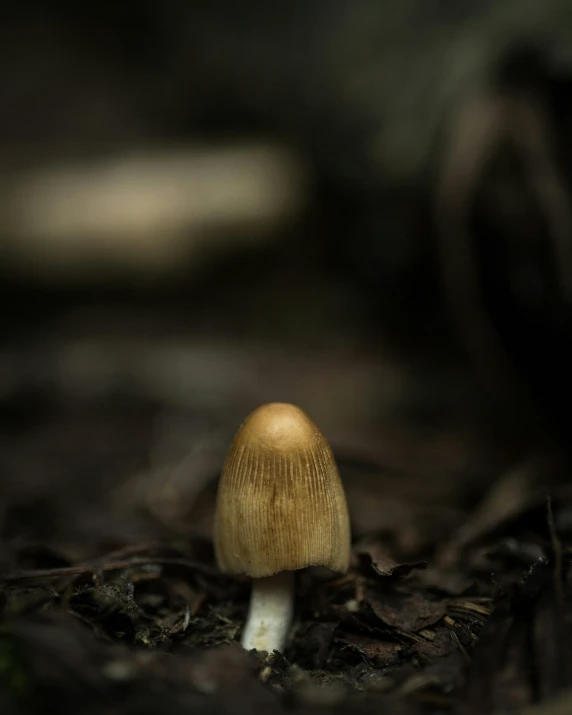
(376, 555)
(407, 612)
(440, 644)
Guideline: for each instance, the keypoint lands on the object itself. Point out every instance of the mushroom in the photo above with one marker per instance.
(280, 507)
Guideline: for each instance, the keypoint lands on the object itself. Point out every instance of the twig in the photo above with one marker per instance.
(557, 555)
(49, 574)
(531, 134)
(476, 132)
(483, 122)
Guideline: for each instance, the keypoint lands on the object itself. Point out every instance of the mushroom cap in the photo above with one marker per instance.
(281, 504)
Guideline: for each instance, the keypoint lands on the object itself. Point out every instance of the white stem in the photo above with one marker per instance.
(270, 613)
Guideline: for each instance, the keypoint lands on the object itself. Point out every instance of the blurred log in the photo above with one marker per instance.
(145, 212)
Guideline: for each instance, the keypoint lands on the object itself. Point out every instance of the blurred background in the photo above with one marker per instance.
(360, 207)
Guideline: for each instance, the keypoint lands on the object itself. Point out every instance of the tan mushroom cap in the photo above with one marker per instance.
(281, 504)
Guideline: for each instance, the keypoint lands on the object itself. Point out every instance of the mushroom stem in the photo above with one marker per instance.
(270, 613)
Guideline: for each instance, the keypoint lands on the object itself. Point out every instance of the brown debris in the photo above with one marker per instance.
(376, 652)
(383, 564)
(409, 612)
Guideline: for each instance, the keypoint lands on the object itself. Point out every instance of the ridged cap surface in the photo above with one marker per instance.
(281, 504)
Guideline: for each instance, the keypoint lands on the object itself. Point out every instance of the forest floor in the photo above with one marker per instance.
(457, 599)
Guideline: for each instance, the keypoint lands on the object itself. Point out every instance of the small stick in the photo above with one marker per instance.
(70, 571)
